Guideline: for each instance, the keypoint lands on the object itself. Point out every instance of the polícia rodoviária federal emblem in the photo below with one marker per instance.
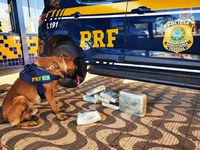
(178, 35)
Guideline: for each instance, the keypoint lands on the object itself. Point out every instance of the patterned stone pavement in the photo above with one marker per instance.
(172, 121)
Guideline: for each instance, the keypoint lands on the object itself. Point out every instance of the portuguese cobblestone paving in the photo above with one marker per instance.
(172, 121)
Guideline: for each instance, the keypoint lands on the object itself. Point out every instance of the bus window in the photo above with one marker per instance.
(148, 33)
(5, 22)
(32, 10)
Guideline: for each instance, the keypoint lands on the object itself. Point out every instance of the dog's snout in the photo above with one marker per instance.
(71, 72)
(76, 68)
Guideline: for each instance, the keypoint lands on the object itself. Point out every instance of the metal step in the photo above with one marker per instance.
(169, 79)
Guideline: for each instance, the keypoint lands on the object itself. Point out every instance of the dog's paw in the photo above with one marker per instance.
(62, 110)
(61, 116)
(28, 124)
(33, 123)
(34, 111)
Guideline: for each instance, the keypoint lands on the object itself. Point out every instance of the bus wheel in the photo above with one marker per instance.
(68, 49)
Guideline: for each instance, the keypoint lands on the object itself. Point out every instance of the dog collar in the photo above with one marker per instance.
(37, 76)
(50, 68)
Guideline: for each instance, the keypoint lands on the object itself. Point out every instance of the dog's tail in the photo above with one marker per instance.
(2, 120)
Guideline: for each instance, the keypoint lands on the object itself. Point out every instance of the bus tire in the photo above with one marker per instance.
(68, 49)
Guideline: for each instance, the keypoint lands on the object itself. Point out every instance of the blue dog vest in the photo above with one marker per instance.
(37, 76)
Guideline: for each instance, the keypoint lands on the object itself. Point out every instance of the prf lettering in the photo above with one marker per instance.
(98, 36)
(35, 79)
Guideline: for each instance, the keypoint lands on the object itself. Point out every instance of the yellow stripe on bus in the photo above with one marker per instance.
(120, 7)
(97, 9)
(53, 12)
(159, 5)
(58, 12)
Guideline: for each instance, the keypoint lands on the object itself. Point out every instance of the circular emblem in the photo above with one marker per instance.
(178, 35)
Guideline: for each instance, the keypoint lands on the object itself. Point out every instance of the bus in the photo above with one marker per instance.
(144, 40)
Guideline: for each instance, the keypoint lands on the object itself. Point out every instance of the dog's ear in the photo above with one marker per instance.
(43, 61)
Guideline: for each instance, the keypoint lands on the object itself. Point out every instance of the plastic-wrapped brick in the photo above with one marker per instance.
(110, 95)
(96, 90)
(90, 99)
(99, 98)
(88, 116)
(111, 105)
(134, 104)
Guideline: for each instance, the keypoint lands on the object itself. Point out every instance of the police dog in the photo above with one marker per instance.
(18, 105)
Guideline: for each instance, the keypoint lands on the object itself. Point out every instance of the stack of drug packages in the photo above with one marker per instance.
(97, 95)
(134, 104)
(107, 98)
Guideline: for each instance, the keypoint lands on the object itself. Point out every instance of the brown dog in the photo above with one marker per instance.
(18, 105)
